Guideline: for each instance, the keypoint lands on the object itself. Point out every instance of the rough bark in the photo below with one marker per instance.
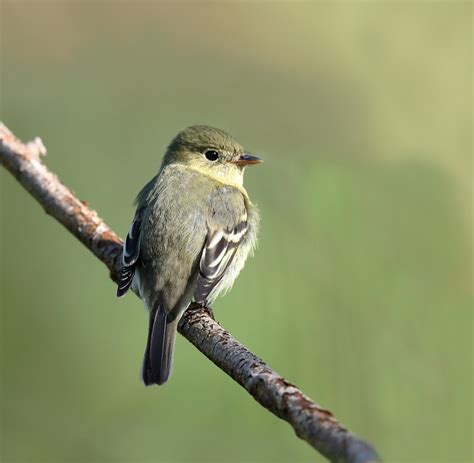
(310, 422)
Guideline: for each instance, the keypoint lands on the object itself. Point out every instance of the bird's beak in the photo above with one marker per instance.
(246, 159)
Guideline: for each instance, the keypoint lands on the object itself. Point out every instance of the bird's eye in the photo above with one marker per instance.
(211, 155)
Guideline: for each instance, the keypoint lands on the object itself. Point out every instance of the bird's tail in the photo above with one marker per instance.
(158, 357)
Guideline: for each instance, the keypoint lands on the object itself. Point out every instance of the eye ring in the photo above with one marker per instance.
(211, 155)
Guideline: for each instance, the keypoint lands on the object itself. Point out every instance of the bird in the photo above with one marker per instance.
(193, 229)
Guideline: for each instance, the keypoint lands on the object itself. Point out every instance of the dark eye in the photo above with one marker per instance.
(212, 155)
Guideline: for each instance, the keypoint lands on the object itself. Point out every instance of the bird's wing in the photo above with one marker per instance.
(131, 253)
(227, 227)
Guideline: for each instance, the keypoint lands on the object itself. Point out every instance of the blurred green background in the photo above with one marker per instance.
(361, 290)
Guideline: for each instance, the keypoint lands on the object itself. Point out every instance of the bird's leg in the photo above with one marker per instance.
(202, 306)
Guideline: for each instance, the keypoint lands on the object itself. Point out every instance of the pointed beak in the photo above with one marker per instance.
(246, 159)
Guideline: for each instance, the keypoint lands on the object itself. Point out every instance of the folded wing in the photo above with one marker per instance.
(130, 256)
(226, 231)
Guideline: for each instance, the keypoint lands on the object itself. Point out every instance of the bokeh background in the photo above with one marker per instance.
(361, 290)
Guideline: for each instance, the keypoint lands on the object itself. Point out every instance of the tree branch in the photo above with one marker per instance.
(310, 422)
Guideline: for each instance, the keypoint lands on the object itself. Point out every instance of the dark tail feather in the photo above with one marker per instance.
(146, 366)
(159, 350)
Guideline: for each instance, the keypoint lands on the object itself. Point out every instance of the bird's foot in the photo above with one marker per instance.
(195, 306)
(209, 311)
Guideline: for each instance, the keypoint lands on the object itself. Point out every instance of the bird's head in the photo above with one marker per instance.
(210, 151)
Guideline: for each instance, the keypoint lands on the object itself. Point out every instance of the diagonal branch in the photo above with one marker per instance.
(310, 422)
